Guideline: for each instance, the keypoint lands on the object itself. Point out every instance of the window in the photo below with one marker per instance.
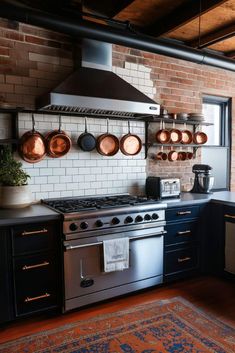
(217, 155)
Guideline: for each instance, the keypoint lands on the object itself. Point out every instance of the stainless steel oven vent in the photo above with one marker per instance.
(94, 89)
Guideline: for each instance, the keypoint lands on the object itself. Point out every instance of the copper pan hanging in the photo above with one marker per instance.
(32, 146)
(130, 144)
(58, 142)
(107, 144)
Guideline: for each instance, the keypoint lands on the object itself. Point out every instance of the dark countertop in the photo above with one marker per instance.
(187, 198)
(38, 212)
(224, 197)
(33, 213)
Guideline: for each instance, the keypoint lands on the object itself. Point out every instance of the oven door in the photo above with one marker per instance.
(85, 280)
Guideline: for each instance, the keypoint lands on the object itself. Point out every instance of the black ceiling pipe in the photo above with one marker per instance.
(81, 28)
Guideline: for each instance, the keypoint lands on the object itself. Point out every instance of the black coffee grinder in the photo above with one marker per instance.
(203, 181)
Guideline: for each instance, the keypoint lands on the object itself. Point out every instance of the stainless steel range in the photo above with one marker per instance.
(92, 223)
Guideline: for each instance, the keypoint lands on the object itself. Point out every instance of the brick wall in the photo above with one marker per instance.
(34, 60)
(180, 86)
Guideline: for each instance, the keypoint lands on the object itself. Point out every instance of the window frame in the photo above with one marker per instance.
(225, 129)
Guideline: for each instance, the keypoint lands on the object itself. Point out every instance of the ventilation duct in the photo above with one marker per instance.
(86, 29)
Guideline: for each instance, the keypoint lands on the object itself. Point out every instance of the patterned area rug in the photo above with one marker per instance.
(172, 325)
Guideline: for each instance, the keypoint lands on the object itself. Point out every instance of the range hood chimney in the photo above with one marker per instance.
(95, 90)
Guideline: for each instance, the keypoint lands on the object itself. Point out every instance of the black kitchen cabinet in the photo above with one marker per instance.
(36, 273)
(182, 245)
(220, 244)
(6, 313)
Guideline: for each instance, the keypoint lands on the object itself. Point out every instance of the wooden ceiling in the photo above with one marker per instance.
(208, 24)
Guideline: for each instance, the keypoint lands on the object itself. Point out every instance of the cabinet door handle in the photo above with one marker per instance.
(185, 232)
(183, 259)
(25, 267)
(229, 216)
(182, 213)
(31, 299)
(44, 230)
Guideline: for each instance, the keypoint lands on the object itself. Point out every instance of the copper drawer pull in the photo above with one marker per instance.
(229, 216)
(185, 232)
(44, 230)
(184, 259)
(25, 267)
(182, 213)
(31, 299)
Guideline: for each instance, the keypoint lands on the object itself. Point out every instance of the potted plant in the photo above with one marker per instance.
(15, 192)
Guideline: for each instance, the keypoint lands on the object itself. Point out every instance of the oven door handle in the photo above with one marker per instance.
(158, 234)
(72, 247)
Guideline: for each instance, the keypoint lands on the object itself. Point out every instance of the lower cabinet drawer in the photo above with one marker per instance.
(181, 232)
(32, 238)
(182, 213)
(181, 259)
(35, 301)
(35, 283)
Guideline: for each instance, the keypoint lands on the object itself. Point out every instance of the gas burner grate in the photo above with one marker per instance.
(72, 205)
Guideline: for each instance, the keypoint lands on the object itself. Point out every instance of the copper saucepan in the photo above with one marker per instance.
(32, 146)
(58, 142)
(162, 156)
(130, 144)
(172, 155)
(199, 138)
(163, 135)
(175, 135)
(187, 136)
(107, 144)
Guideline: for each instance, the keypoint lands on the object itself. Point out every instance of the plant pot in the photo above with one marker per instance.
(15, 196)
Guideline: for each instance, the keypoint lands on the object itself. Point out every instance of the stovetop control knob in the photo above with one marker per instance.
(115, 220)
(99, 223)
(84, 225)
(155, 216)
(129, 219)
(147, 217)
(73, 226)
(139, 219)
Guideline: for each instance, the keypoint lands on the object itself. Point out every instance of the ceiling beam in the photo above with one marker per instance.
(109, 8)
(213, 37)
(230, 54)
(183, 14)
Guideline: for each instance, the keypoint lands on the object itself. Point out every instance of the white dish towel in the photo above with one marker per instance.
(116, 254)
(230, 247)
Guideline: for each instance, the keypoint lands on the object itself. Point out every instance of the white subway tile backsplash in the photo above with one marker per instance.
(59, 171)
(66, 194)
(66, 179)
(46, 171)
(72, 186)
(78, 178)
(54, 163)
(53, 179)
(82, 173)
(40, 180)
(66, 163)
(47, 187)
(53, 194)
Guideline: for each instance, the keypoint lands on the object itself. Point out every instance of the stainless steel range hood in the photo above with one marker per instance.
(95, 90)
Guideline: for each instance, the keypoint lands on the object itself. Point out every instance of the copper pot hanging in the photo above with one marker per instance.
(130, 144)
(58, 142)
(187, 136)
(200, 138)
(32, 145)
(175, 135)
(107, 144)
(163, 135)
